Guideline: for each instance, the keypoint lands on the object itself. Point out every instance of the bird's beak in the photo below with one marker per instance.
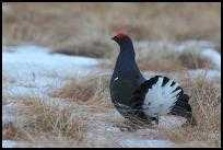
(114, 38)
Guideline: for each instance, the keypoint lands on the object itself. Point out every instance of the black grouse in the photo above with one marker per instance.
(137, 98)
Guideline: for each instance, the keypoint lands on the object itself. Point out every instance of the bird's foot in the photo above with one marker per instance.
(127, 129)
(127, 126)
(154, 121)
(190, 121)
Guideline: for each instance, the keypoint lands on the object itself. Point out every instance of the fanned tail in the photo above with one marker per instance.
(160, 96)
(183, 108)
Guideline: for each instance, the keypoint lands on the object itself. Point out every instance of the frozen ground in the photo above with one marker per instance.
(32, 70)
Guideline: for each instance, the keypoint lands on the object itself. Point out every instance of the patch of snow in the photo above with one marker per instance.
(145, 143)
(213, 56)
(6, 8)
(193, 44)
(8, 143)
(8, 112)
(18, 90)
(30, 61)
(209, 74)
(171, 121)
(35, 70)
(41, 86)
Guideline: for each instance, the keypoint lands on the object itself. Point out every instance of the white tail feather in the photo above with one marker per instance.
(160, 99)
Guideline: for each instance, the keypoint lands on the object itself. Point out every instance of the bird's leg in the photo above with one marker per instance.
(127, 125)
(155, 119)
(190, 121)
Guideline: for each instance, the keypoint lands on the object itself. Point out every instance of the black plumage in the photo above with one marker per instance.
(135, 97)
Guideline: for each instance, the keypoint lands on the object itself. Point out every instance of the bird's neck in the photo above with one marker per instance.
(126, 58)
(127, 50)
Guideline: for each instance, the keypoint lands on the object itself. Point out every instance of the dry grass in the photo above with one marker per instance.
(9, 131)
(191, 61)
(6, 81)
(35, 119)
(170, 61)
(93, 92)
(94, 48)
(206, 104)
(86, 28)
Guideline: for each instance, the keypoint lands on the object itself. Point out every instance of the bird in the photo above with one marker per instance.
(144, 100)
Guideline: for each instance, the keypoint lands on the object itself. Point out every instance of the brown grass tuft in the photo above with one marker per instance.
(165, 59)
(193, 61)
(93, 48)
(93, 92)
(36, 119)
(9, 131)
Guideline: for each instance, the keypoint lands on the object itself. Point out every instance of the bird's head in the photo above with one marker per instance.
(121, 37)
